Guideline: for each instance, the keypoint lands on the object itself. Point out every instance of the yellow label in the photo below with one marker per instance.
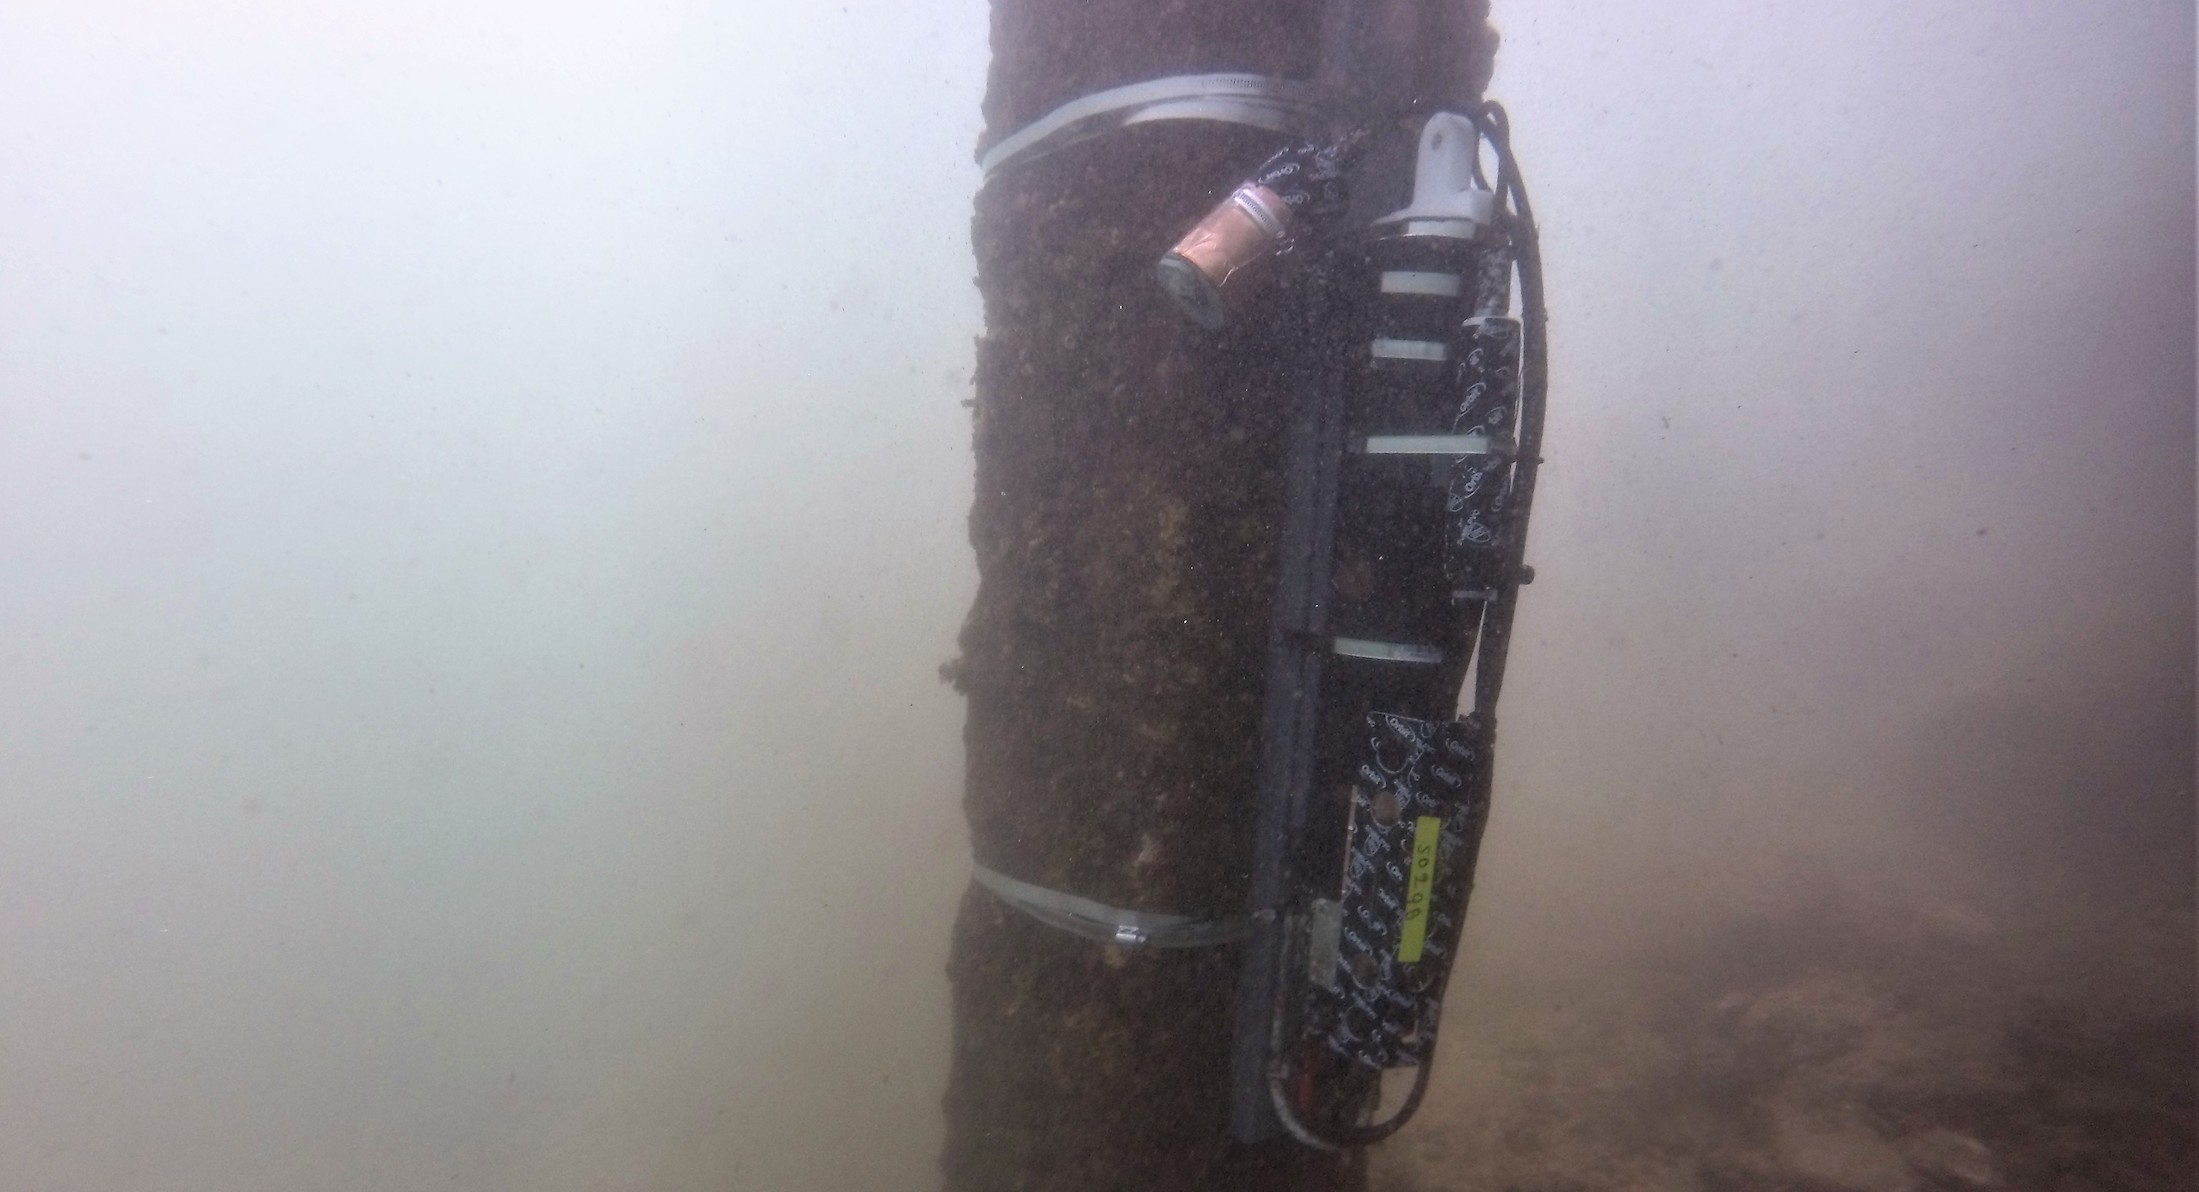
(1427, 830)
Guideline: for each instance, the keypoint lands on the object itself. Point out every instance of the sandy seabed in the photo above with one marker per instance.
(1819, 1051)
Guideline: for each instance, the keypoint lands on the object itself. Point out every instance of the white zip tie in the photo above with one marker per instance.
(1261, 101)
(1109, 924)
(1422, 282)
(1427, 445)
(1429, 350)
(1359, 647)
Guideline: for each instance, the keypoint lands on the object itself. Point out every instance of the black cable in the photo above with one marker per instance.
(1534, 389)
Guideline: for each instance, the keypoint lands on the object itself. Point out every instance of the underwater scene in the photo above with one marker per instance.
(1097, 596)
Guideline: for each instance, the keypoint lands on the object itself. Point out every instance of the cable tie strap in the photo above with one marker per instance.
(1261, 101)
(1359, 647)
(1109, 924)
(1468, 444)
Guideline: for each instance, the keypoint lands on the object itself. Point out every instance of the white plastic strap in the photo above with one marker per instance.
(1278, 105)
(1414, 281)
(1108, 924)
(1427, 445)
(1432, 351)
(1359, 647)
